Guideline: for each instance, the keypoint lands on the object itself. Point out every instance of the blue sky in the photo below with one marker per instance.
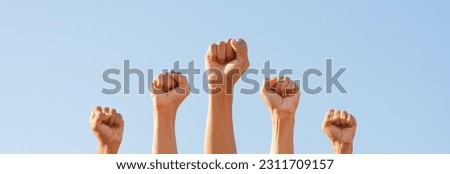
(53, 54)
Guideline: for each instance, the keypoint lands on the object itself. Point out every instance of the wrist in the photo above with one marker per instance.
(164, 107)
(342, 148)
(111, 148)
(220, 89)
(164, 115)
(283, 121)
(219, 83)
(282, 115)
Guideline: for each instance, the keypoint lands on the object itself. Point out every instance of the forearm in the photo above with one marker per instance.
(219, 134)
(282, 133)
(342, 148)
(108, 148)
(164, 140)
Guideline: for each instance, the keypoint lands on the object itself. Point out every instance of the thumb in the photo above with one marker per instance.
(240, 47)
(183, 85)
(329, 118)
(270, 97)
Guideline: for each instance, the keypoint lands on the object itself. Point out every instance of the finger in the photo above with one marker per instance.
(296, 88)
(221, 52)
(240, 48)
(352, 120)
(230, 54)
(343, 119)
(103, 115)
(293, 87)
(105, 109)
(95, 119)
(95, 111)
(164, 82)
(170, 81)
(212, 52)
(183, 85)
(284, 86)
(106, 115)
(348, 121)
(119, 121)
(112, 118)
(277, 87)
(156, 84)
(328, 120)
(173, 82)
(290, 87)
(273, 83)
(336, 118)
(113, 111)
(176, 78)
(270, 86)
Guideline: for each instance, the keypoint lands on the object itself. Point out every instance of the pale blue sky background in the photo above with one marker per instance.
(53, 53)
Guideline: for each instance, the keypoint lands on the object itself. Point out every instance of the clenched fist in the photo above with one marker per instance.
(340, 127)
(280, 94)
(225, 62)
(169, 90)
(107, 126)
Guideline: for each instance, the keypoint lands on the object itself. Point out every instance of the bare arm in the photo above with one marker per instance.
(164, 141)
(225, 62)
(281, 96)
(282, 133)
(169, 91)
(219, 135)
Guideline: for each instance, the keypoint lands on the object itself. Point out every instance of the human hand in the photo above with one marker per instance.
(226, 61)
(281, 95)
(169, 90)
(339, 126)
(107, 126)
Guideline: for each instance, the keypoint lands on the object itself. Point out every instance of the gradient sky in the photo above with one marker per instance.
(397, 55)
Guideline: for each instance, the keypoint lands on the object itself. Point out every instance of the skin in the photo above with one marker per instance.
(340, 127)
(281, 96)
(225, 61)
(107, 125)
(169, 91)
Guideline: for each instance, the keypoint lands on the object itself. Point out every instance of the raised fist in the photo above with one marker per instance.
(280, 94)
(107, 126)
(226, 60)
(339, 126)
(169, 90)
